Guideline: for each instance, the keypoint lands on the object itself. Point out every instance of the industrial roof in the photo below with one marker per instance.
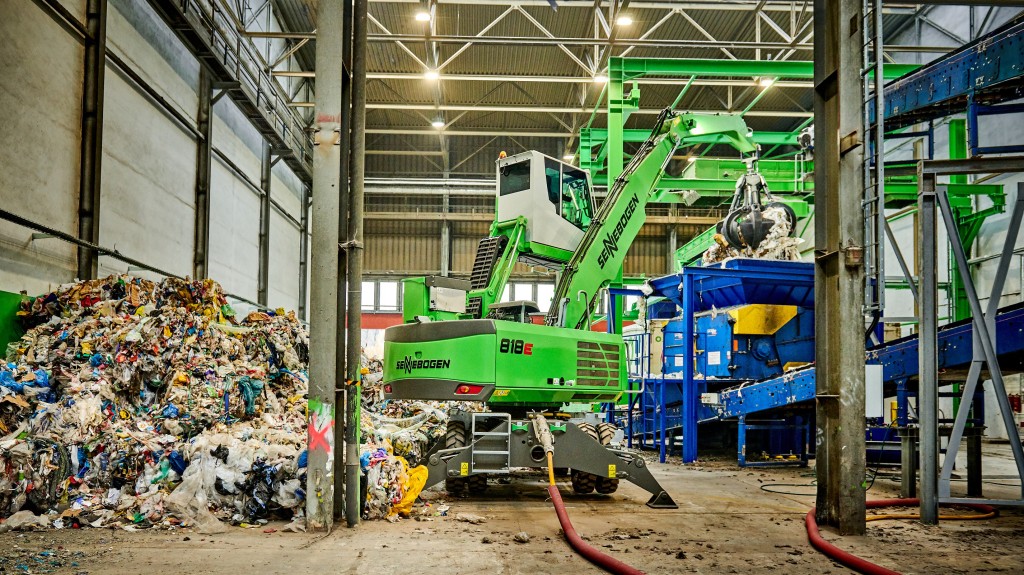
(520, 75)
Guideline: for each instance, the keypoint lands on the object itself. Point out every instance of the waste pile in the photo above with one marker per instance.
(396, 435)
(135, 403)
(777, 245)
(131, 403)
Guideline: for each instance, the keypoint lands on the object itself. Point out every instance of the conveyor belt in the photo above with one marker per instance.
(899, 361)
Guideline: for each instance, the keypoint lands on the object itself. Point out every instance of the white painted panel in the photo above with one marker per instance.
(40, 117)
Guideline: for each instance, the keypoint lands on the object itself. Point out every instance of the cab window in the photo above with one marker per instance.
(515, 178)
(577, 205)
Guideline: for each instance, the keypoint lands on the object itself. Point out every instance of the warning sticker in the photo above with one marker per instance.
(464, 469)
(714, 358)
(611, 471)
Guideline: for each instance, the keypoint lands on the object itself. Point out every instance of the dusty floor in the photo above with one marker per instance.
(726, 523)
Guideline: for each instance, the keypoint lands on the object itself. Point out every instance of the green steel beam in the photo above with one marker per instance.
(632, 68)
(620, 106)
(599, 135)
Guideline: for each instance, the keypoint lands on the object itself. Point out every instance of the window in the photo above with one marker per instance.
(507, 294)
(553, 176)
(515, 178)
(369, 296)
(628, 302)
(522, 292)
(545, 293)
(576, 202)
(388, 296)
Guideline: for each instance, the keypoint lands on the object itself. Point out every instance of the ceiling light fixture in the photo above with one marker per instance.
(431, 75)
(437, 124)
(624, 21)
(568, 157)
(600, 79)
(765, 81)
(423, 16)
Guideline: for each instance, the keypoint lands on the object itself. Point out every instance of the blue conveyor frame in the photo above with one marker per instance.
(747, 281)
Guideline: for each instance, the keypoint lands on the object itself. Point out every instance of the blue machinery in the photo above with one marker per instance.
(668, 407)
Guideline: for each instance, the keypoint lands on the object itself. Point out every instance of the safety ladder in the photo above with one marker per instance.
(491, 435)
(874, 159)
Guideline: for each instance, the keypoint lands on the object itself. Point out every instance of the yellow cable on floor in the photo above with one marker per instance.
(942, 517)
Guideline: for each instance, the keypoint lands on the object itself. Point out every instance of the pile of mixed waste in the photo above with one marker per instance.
(777, 245)
(130, 403)
(396, 435)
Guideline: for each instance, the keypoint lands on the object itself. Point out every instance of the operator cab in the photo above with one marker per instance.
(554, 197)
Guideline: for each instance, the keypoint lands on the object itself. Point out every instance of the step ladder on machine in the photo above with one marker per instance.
(491, 436)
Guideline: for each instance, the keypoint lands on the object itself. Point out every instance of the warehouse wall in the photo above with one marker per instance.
(149, 160)
(40, 115)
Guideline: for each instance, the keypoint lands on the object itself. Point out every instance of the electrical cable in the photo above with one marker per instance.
(878, 460)
(606, 562)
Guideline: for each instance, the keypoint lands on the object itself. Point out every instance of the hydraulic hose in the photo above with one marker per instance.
(606, 562)
(862, 565)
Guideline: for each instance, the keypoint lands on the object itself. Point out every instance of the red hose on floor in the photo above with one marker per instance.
(857, 563)
(607, 562)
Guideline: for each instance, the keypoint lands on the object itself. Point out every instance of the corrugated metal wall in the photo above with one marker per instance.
(402, 247)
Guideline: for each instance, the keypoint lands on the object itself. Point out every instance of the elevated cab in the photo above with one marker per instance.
(554, 197)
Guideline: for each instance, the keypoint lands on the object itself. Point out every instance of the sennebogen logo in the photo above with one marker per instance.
(408, 364)
(611, 239)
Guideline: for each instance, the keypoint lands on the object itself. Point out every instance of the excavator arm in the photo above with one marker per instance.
(599, 257)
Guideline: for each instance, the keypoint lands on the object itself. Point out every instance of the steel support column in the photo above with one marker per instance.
(673, 241)
(355, 262)
(324, 325)
(92, 136)
(446, 238)
(340, 394)
(303, 251)
(928, 355)
(204, 148)
(263, 274)
(839, 270)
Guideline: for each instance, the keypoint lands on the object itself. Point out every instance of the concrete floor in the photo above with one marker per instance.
(725, 523)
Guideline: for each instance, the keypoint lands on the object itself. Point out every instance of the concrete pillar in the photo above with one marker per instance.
(324, 323)
(92, 136)
(839, 268)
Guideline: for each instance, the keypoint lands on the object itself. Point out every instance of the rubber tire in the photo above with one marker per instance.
(606, 432)
(455, 437)
(477, 484)
(583, 482)
(606, 485)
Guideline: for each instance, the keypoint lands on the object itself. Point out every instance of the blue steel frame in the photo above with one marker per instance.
(899, 365)
(988, 70)
(801, 435)
(974, 111)
(736, 282)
